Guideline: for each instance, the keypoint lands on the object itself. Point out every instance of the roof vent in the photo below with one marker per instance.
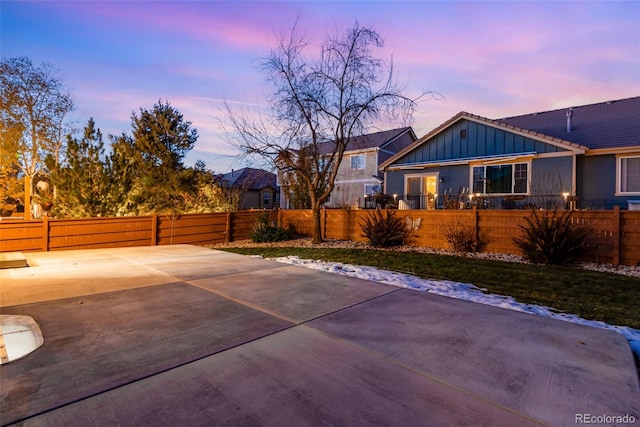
(569, 117)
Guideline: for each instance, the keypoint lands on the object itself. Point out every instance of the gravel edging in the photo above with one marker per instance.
(348, 244)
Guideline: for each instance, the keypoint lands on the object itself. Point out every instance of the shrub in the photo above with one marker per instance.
(384, 229)
(463, 238)
(263, 231)
(551, 237)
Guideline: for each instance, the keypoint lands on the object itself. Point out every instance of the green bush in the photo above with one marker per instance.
(463, 238)
(263, 231)
(384, 229)
(551, 237)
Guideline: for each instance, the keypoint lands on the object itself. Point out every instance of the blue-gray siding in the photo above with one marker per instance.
(551, 176)
(596, 186)
(480, 140)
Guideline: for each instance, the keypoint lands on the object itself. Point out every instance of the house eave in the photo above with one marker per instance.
(616, 150)
(468, 160)
(547, 139)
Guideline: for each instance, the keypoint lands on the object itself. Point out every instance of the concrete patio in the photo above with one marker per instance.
(184, 335)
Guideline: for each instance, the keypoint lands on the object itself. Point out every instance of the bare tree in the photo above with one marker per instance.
(317, 105)
(33, 104)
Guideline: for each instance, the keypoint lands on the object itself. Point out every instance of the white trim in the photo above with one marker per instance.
(364, 188)
(619, 191)
(513, 181)
(364, 161)
(574, 174)
(616, 150)
(361, 150)
(421, 175)
(556, 154)
(468, 160)
(355, 181)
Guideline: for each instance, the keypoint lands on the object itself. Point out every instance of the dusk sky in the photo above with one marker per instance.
(494, 59)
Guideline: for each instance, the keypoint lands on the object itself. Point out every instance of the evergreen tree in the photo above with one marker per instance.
(153, 158)
(83, 180)
(209, 194)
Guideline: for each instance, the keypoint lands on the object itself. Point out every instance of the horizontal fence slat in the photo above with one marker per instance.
(497, 227)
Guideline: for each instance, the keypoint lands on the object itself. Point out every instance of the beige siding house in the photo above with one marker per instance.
(358, 175)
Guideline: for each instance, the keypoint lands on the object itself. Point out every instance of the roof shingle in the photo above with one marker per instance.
(364, 142)
(610, 124)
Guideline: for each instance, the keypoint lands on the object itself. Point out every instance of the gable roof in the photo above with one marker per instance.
(368, 141)
(250, 179)
(463, 115)
(608, 124)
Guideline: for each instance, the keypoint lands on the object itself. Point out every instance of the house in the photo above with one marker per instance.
(358, 175)
(585, 157)
(257, 187)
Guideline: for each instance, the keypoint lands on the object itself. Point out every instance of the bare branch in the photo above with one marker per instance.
(318, 105)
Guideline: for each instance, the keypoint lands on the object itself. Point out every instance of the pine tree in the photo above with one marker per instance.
(82, 181)
(153, 158)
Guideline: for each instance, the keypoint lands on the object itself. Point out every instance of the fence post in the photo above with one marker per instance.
(476, 231)
(45, 233)
(616, 235)
(227, 231)
(323, 223)
(154, 229)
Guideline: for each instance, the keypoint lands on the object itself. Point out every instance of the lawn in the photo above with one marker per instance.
(611, 298)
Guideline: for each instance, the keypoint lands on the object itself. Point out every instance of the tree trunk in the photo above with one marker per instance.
(317, 225)
(27, 197)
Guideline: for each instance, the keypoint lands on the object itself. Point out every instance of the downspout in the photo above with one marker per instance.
(574, 179)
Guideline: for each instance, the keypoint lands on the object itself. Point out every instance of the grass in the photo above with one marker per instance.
(592, 295)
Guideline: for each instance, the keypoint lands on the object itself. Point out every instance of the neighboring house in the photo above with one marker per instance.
(257, 187)
(358, 175)
(586, 157)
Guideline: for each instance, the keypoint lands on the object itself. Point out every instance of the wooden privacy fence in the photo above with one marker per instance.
(614, 235)
(88, 233)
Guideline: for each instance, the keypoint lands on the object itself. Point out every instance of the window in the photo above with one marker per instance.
(371, 189)
(629, 174)
(501, 179)
(478, 180)
(357, 161)
(520, 178)
(266, 198)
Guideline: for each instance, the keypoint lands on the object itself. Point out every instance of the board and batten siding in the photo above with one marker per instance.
(479, 141)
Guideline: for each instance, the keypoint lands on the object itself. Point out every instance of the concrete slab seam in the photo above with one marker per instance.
(144, 377)
(422, 373)
(176, 281)
(270, 313)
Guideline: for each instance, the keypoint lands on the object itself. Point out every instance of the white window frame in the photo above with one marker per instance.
(266, 198)
(422, 176)
(620, 168)
(352, 157)
(371, 189)
(513, 178)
